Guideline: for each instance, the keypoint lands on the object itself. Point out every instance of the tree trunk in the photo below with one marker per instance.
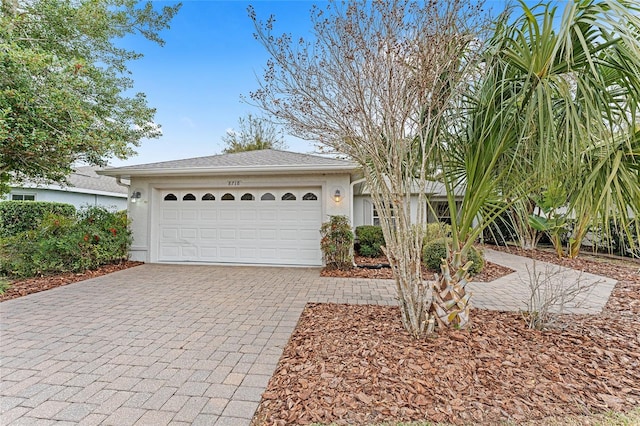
(450, 301)
(415, 305)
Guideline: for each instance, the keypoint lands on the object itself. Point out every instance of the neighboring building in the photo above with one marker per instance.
(256, 207)
(85, 188)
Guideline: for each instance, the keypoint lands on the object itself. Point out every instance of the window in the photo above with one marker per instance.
(228, 197)
(268, 197)
(310, 196)
(189, 197)
(247, 197)
(441, 209)
(288, 197)
(376, 216)
(208, 197)
(23, 197)
(170, 197)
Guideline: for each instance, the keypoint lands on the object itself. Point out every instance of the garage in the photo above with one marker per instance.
(249, 226)
(248, 208)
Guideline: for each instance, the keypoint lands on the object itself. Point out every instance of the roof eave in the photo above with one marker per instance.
(210, 171)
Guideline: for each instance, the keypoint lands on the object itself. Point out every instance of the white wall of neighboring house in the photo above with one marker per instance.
(74, 196)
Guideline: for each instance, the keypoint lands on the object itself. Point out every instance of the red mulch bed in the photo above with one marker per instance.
(490, 272)
(34, 285)
(351, 364)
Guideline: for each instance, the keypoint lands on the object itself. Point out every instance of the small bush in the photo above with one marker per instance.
(435, 231)
(434, 251)
(94, 237)
(337, 243)
(4, 286)
(21, 216)
(370, 239)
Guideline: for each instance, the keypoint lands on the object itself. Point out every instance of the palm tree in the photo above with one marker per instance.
(555, 106)
(564, 100)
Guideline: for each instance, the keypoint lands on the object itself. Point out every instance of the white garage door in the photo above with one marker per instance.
(257, 226)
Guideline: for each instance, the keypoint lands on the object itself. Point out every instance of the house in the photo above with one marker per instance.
(255, 207)
(85, 188)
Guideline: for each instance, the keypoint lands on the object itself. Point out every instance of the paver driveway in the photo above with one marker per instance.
(168, 344)
(157, 344)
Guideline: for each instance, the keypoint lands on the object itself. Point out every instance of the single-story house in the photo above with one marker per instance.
(255, 207)
(85, 188)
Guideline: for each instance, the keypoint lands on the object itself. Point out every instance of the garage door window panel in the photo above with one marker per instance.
(228, 197)
(288, 197)
(247, 197)
(310, 196)
(189, 197)
(268, 197)
(208, 197)
(170, 197)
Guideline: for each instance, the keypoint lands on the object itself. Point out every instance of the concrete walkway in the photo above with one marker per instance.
(167, 344)
(511, 292)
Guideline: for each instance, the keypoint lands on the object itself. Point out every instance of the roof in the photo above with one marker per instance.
(432, 188)
(267, 161)
(87, 178)
(84, 180)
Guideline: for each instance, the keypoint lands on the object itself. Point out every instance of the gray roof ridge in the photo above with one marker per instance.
(204, 160)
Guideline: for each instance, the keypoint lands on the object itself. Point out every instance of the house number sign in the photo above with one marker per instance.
(233, 183)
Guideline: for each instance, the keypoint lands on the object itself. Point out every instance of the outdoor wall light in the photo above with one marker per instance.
(337, 196)
(136, 196)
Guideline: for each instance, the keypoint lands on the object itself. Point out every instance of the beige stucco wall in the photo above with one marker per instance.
(143, 214)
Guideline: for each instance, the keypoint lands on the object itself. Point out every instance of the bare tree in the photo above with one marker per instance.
(253, 133)
(552, 293)
(375, 84)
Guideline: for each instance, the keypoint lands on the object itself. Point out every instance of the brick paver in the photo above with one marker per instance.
(169, 344)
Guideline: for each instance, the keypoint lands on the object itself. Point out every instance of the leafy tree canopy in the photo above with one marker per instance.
(253, 134)
(64, 84)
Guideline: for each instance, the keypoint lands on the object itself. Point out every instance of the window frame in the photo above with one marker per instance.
(31, 195)
(375, 217)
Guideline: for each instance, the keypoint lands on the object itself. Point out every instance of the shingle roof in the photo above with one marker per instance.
(262, 160)
(82, 180)
(87, 178)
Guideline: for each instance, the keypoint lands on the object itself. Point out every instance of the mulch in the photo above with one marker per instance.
(27, 286)
(350, 364)
(375, 268)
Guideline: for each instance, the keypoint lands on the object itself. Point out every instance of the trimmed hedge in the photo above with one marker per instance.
(21, 216)
(370, 238)
(434, 251)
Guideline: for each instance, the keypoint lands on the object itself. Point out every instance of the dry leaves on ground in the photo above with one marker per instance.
(373, 268)
(356, 365)
(351, 364)
(23, 287)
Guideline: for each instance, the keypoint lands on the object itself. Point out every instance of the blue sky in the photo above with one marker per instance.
(196, 80)
(209, 61)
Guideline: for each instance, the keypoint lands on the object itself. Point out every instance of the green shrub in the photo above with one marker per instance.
(337, 243)
(21, 216)
(477, 257)
(435, 231)
(4, 286)
(434, 251)
(94, 237)
(370, 239)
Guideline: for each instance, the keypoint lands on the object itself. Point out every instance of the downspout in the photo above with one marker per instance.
(119, 182)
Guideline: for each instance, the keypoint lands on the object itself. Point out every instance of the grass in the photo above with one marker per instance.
(4, 285)
(611, 418)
